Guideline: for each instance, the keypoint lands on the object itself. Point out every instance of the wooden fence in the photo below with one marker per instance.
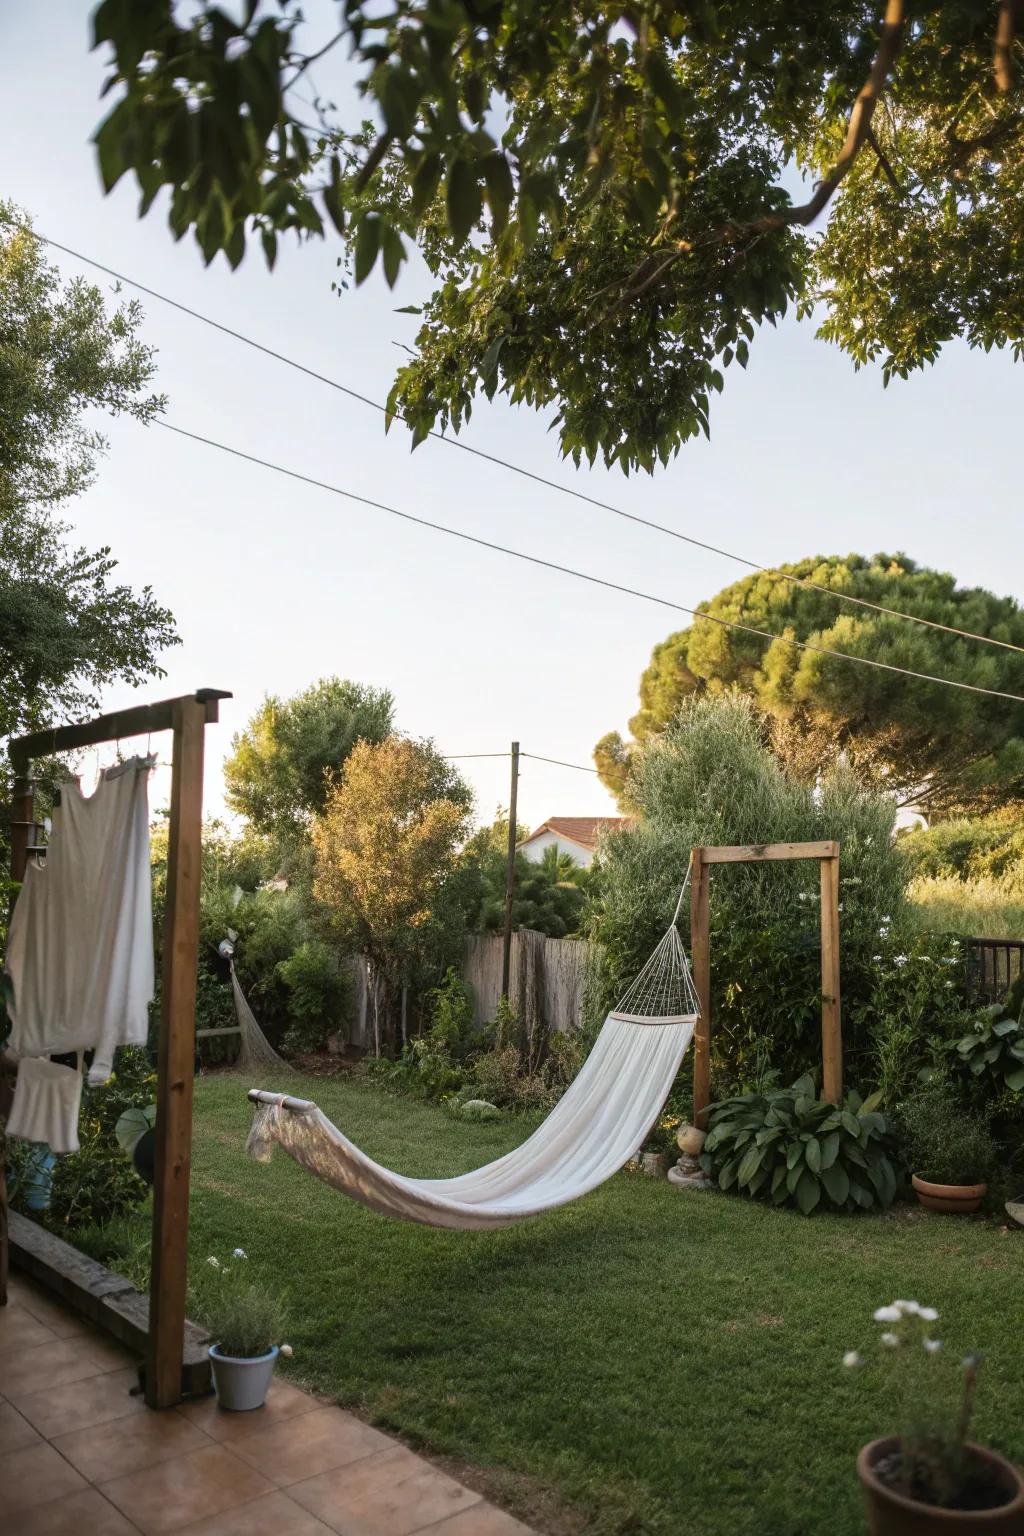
(993, 965)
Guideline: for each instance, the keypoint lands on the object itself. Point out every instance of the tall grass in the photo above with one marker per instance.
(988, 907)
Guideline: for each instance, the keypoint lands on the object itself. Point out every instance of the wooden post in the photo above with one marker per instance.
(831, 1026)
(510, 874)
(169, 1264)
(700, 950)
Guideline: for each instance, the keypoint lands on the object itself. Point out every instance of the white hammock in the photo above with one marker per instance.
(597, 1125)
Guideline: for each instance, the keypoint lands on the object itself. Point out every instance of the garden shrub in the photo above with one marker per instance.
(790, 1147)
(993, 1052)
(711, 778)
(319, 996)
(946, 1143)
(97, 1184)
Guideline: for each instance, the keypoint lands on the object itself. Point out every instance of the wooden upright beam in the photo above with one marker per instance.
(700, 950)
(831, 1026)
(169, 1263)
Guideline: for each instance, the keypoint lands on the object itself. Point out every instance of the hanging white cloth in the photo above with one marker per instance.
(45, 1105)
(80, 946)
(597, 1125)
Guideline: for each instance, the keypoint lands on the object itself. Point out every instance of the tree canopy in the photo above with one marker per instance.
(601, 190)
(66, 628)
(946, 748)
(282, 764)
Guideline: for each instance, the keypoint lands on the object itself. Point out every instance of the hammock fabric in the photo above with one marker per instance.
(597, 1125)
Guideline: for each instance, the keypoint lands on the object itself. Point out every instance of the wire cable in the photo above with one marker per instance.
(517, 469)
(568, 570)
(557, 761)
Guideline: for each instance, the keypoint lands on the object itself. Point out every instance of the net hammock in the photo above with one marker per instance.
(597, 1125)
(255, 1050)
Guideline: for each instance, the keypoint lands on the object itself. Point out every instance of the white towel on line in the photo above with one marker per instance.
(80, 946)
(45, 1105)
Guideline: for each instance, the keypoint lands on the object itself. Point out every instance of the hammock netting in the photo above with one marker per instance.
(255, 1050)
(597, 1125)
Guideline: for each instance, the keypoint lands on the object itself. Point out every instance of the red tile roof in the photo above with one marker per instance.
(579, 829)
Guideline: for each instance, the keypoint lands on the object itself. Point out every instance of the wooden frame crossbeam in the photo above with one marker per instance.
(187, 717)
(701, 860)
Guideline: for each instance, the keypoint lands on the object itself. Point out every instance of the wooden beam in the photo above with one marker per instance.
(169, 1262)
(140, 720)
(831, 1025)
(752, 853)
(700, 950)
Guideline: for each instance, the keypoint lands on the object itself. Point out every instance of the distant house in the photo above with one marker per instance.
(574, 835)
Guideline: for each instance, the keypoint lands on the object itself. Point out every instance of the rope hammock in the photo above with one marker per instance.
(597, 1125)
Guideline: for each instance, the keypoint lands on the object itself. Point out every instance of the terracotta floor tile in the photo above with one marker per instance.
(275, 1514)
(20, 1330)
(283, 1402)
(34, 1476)
(47, 1309)
(481, 1520)
(105, 1451)
(393, 1493)
(54, 1365)
(78, 1514)
(312, 1443)
(80, 1404)
(184, 1490)
(15, 1431)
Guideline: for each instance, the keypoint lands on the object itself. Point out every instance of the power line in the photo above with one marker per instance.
(517, 469)
(464, 757)
(558, 762)
(568, 570)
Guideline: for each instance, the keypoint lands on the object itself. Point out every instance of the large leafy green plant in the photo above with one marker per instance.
(792, 1148)
(994, 1050)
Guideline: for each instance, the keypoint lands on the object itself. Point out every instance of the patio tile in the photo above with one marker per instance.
(481, 1520)
(105, 1451)
(34, 1476)
(79, 1404)
(283, 1402)
(54, 1365)
(51, 1312)
(20, 1330)
(15, 1431)
(78, 1514)
(275, 1514)
(392, 1493)
(184, 1490)
(312, 1443)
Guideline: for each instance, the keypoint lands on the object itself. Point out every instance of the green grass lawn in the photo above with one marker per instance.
(643, 1361)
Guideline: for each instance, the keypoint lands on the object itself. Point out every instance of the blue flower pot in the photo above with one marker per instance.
(242, 1384)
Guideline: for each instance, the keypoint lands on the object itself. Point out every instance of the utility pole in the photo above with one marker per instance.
(510, 876)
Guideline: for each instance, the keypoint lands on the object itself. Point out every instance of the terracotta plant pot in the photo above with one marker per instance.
(953, 1199)
(891, 1514)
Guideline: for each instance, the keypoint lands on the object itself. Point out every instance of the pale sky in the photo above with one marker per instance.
(274, 584)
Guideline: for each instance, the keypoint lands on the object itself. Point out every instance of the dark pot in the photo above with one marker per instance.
(952, 1199)
(891, 1514)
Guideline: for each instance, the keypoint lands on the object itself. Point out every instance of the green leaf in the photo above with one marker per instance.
(870, 1104)
(394, 253)
(132, 1124)
(1005, 1027)
(808, 1192)
(830, 1149)
(850, 1123)
(424, 181)
(1015, 1079)
(837, 1183)
(462, 199)
(812, 1153)
(367, 246)
(793, 1153)
(750, 1165)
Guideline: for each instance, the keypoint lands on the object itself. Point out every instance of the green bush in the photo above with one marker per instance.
(906, 1005)
(319, 996)
(946, 1143)
(993, 1052)
(97, 1184)
(792, 1148)
(243, 1317)
(711, 778)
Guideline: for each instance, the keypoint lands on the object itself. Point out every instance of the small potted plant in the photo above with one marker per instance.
(930, 1478)
(950, 1150)
(659, 1142)
(246, 1322)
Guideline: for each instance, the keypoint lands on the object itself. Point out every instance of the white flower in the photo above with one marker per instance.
(876, 958)
(287, 1351)
(888, 1314)
(213, 1263)
(927, 1314)
(239, 1253)
(908, 1308)
(932, 1346)
(899, 959)
(852, 1359)
(891, 1340)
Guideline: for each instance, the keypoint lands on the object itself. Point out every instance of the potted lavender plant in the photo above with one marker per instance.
(246, 1322)
(930, 1479)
